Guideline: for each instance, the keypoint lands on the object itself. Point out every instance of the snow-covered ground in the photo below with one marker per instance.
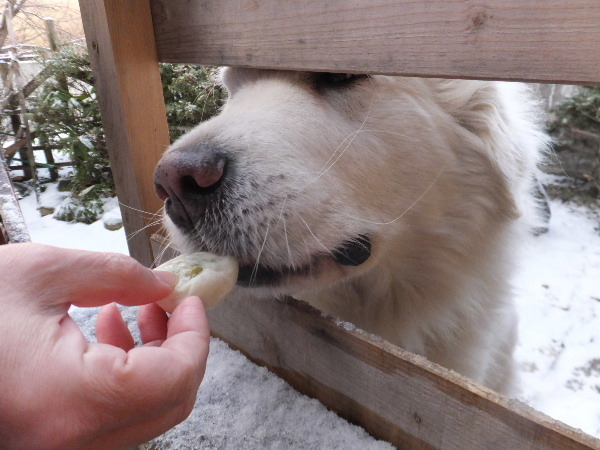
(558, 299)
(241, 405)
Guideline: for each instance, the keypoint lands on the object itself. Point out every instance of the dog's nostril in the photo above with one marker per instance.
(209, 174)
(187, 179)
(187, 175)
(161, 192)
(189, 185)
(203, 180)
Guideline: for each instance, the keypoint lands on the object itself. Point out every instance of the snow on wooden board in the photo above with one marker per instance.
(11, 217)
(10, 212)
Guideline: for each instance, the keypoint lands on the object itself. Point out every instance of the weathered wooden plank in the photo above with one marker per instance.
(11, 218)
(395, 395)
(121, 44)
(532, 40)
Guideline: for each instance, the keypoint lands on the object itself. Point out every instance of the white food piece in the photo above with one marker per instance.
(205, 275)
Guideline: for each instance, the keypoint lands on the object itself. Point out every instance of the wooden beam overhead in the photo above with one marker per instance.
(527, 40)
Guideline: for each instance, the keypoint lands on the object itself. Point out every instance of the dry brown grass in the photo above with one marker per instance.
(29, 23)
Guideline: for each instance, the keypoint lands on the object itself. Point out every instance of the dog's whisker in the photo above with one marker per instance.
(334, 153)
(147, 213)
(315, 237)
(285, 235)
(406, 210)
(149, 225)
(328, 165)
(394, 133)
(287, 245)
(160, 255)
(257, 263)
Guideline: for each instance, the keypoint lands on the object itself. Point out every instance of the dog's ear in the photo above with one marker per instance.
(507, 125)
(503, 115)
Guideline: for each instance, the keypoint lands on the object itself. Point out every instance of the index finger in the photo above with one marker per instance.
(85, 278)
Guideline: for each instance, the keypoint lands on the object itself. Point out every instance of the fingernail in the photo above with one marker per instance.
(169, 278)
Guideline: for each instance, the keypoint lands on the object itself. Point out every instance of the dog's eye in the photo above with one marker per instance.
(337, 79)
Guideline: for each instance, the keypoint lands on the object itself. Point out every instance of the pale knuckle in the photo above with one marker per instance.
(121, 269)
(37, 255)
(117, 263)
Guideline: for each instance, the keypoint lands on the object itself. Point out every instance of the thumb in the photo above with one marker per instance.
(112, 277)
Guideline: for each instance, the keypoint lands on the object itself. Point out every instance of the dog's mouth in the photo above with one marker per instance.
(352, 252)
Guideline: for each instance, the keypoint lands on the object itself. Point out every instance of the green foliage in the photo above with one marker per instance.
(581, 111)
(576, 129)
(191, 95)
(85, 209)
(66, 116)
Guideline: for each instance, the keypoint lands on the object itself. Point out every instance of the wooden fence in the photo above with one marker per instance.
(395, 395)
(15, 91)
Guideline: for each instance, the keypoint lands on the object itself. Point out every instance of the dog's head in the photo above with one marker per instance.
(309, 178)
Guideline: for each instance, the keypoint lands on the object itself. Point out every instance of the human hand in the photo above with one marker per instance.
(59, 391)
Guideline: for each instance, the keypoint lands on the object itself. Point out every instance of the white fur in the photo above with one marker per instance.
(437, 172)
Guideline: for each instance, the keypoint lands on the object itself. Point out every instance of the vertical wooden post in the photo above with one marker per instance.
(51, 33)
(18, 84)
(122, 49)
(54, 44)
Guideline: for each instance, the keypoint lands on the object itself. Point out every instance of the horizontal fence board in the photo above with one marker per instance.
(527, 40)
(395, 395)
(41, 166)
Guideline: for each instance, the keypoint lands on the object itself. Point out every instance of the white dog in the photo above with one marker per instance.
(394, 203)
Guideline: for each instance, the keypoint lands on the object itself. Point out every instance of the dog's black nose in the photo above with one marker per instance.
(187, 179)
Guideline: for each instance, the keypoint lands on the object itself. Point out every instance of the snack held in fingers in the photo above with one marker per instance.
(205, 275)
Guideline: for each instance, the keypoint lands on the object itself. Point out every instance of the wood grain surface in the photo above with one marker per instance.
(395, 395)
(122, 51)
(531, 40)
